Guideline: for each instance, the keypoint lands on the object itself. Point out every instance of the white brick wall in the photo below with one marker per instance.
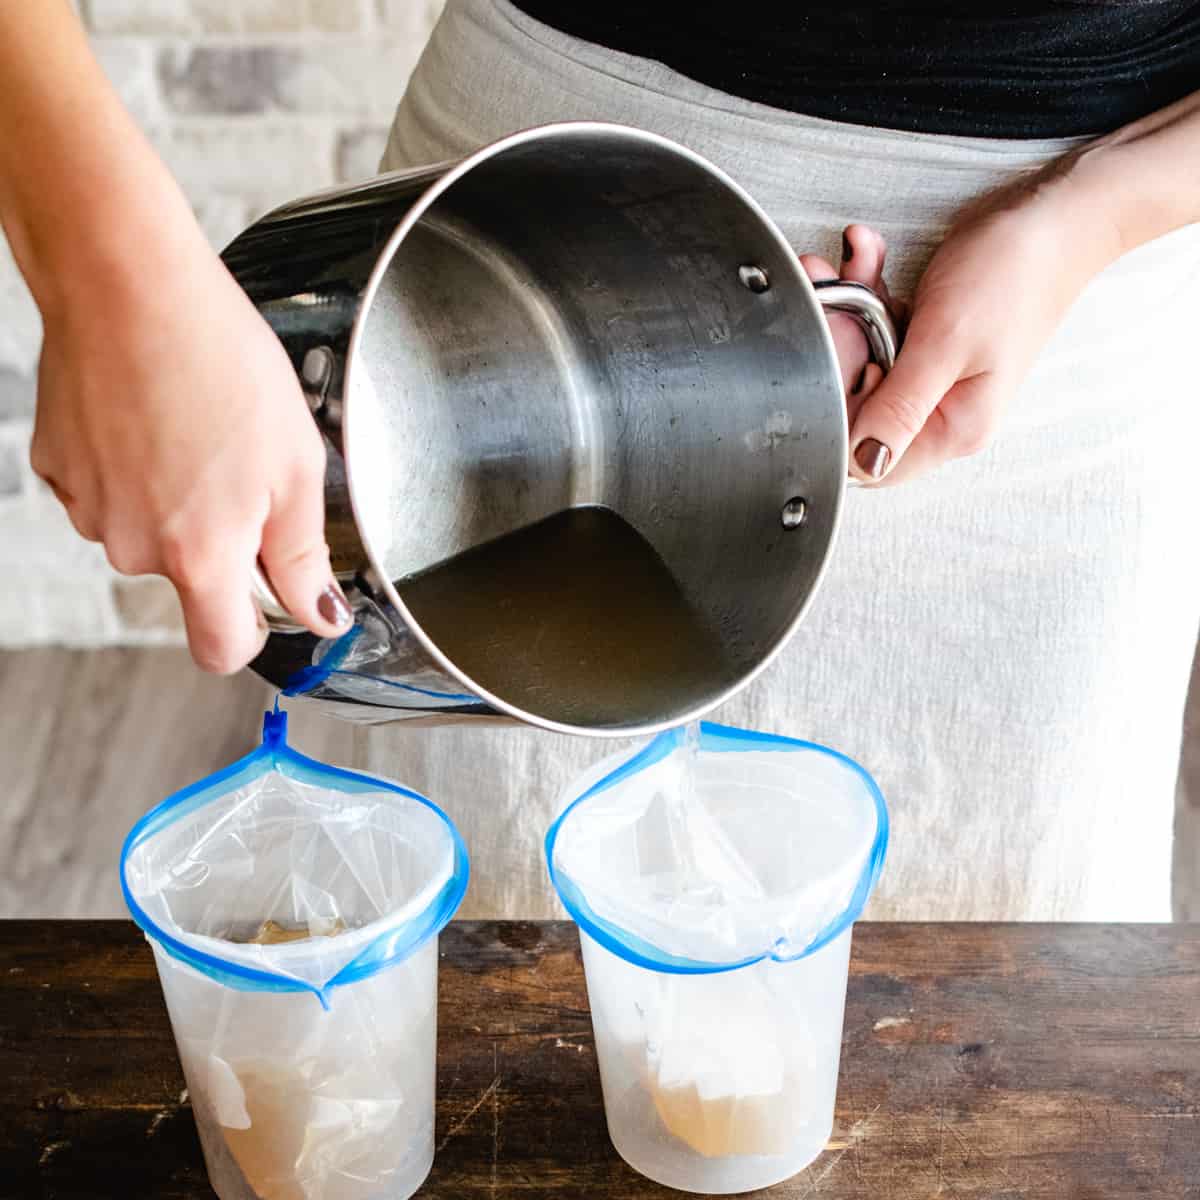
(250, 102)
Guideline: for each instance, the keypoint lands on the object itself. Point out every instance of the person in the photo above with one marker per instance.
(1004, 640)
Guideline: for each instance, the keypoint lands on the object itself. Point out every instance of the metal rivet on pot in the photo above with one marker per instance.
(316, 368)
(754, 277)
(795, 512)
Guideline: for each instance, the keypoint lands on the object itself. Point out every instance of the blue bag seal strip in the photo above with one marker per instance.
(313, 676)
(274, 754)
(720, 739)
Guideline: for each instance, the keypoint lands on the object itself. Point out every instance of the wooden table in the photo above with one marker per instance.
(1056, 1062)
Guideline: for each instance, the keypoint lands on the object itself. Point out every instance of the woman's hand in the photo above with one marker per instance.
(171, 425)
(997, 287)
(1000, 283)
(988, 302)
(863, 257)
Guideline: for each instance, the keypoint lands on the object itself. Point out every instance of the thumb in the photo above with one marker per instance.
(296, 558)
(892, 416)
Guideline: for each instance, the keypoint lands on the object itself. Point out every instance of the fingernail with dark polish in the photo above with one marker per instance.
(847, 249)
(333, 606)
(859, 382)
(872, 457)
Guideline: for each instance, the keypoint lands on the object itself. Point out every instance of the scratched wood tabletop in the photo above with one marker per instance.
(1001, 1061)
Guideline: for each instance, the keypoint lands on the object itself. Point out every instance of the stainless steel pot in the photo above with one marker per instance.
(579, 314)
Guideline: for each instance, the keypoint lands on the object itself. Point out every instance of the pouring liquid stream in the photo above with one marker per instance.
(687, 797)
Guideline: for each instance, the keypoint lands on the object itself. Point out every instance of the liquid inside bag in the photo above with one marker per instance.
(293, 909)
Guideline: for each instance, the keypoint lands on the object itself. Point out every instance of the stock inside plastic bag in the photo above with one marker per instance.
(694, 857)
(316, 850)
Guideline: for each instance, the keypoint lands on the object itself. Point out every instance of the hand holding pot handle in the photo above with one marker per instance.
(315, 374)
(869, 310)
(867, 307)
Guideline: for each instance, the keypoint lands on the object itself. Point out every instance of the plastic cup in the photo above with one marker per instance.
(719, 1074)
(294, 910)
(294, 1102)
(719, 1083)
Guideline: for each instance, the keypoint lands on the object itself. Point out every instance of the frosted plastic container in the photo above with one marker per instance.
(715, 889)
(719, 1083)
(294, 1102)
(294, 911)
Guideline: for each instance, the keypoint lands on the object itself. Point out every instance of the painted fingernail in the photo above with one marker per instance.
(847, 249)
(872, 457)
(333, 606)
(859, 382)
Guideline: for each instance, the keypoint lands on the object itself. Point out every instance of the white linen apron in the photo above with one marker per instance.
(1005, 644)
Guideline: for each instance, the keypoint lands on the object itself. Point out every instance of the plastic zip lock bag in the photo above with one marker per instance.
(293, 909)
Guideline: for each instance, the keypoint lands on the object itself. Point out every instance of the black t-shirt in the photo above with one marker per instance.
(980, 68)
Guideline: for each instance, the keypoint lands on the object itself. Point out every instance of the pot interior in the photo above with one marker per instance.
(568, 325)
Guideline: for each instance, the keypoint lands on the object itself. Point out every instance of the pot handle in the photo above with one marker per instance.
(868, 309)
(276, 617)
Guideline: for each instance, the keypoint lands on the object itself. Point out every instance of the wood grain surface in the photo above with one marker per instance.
(1040, 1062)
